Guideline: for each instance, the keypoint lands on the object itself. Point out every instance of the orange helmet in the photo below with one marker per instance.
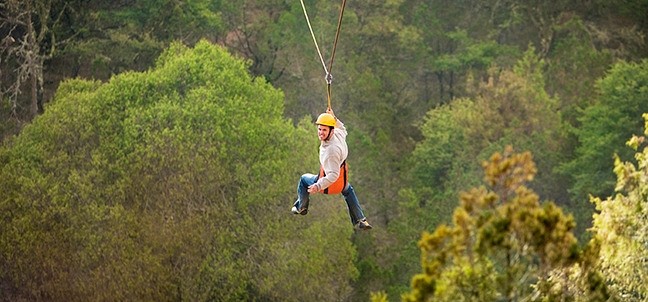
(326, 119)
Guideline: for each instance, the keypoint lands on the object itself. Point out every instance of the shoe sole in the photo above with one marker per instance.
(302, 212)
(364, 227)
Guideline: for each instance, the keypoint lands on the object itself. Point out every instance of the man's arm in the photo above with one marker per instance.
(331, 168)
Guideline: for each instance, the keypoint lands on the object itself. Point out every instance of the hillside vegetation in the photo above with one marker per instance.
(150, 150)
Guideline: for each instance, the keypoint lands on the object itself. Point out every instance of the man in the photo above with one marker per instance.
(333, 171)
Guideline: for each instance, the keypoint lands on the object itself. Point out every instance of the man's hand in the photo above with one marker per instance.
(330, 111)
(314, 188)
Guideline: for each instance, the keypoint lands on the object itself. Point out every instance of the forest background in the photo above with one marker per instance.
(151, 150)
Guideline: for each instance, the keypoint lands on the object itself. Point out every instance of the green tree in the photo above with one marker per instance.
(267, 33)
(622, 96)
(31, 37)
(45, 42)
(502, 243)
(511, 107)
(621, 226)
(111, 39)
(573, 66)
(170, 184)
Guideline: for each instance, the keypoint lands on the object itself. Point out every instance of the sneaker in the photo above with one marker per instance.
(295, 211)
(363, 225)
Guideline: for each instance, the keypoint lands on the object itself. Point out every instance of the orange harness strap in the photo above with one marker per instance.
(340, 184)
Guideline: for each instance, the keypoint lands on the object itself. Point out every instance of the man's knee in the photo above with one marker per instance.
(307, 179)
(348, 190)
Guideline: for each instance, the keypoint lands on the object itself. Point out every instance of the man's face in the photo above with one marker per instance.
(323, 132)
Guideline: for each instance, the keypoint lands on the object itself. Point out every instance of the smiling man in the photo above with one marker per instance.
(333, 176)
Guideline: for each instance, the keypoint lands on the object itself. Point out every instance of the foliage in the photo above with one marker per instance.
(166, 185)
(621, 226)
(118, 38)
(30, 37)
(407, 75)
(263, 32)
(605, 125)
(510, 108)
(10, 126)
(502, 243)
(573, 66)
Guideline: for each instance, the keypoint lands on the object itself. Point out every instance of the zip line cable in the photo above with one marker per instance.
(337, 34)
(327, 71)
(313, 35)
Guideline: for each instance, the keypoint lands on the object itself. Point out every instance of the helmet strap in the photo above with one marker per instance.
(329, 134)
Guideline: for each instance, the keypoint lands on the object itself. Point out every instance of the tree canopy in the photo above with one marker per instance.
(621, 225)
(606, 125)
(169, 135)
(166, 184)
(503, 242)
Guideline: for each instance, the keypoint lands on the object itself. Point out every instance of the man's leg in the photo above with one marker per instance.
(301, 205)
(355, 211)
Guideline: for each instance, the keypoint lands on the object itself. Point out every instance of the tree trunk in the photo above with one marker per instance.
(32, 62)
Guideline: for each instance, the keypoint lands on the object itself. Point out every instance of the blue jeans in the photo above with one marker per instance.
(355, 211)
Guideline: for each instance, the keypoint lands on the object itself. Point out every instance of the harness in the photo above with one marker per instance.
(340, 183)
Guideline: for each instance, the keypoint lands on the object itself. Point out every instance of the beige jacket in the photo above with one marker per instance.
(332, 153)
